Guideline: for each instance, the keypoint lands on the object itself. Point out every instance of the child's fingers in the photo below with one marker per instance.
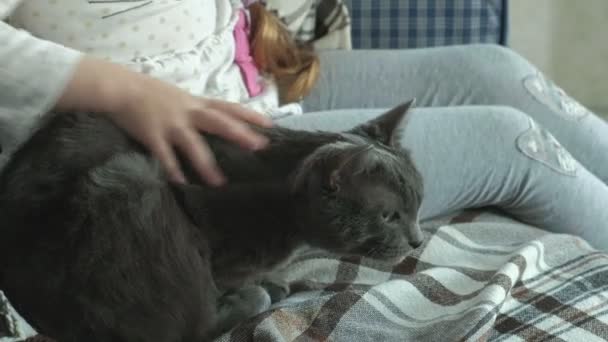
(218, 123)
(164, 153)
(200, 156)
(240, 112)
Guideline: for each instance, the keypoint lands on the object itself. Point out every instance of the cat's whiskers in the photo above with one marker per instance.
(372, 252)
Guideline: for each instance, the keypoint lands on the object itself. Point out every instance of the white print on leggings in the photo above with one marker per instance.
(538, 144)
(546, 92)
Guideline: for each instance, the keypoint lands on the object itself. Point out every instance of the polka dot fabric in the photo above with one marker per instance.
(119, 30)
(189, 43)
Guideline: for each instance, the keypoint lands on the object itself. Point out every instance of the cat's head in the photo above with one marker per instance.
(361, 194)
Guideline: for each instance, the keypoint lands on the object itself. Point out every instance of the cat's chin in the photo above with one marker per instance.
(394, 260)
(391, 256)
(391, 260)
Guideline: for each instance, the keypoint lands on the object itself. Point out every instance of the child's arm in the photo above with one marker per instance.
(33, 73)
(161, 115)
(38, 76)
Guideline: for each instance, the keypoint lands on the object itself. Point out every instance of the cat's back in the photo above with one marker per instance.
(42, 182)
(71, 140)
(88, 218)
(49, 185)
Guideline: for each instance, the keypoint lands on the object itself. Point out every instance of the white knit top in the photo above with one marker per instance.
(189, 43)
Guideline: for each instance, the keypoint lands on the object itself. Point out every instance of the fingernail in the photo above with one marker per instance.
(264, 121)
(217, 180)
(268, 122)
(179, 178)
(259, 143)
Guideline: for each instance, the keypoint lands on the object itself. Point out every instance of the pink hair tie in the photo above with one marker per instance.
(243, 58)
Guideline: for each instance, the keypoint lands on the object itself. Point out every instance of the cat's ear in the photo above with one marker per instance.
(385, 128)
(345, 166)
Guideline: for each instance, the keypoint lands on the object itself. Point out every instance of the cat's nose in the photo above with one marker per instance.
(415, 243)
(415, 236)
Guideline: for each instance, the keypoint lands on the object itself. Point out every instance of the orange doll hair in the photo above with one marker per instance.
(294, 66)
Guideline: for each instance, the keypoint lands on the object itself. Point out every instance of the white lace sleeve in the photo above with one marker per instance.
(7, 7)
(33, 74)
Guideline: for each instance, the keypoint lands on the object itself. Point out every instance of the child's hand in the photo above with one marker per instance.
(162, 116)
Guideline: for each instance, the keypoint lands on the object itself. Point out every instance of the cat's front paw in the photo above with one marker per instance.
(277, 289)
(246, 302)
(239, 305)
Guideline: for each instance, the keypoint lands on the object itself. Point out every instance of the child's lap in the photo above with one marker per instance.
(461, 76)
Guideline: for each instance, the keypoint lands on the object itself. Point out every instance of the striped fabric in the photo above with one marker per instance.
(423, 23)
(478, 277)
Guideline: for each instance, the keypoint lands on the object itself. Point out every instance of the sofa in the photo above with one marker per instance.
(479, 276)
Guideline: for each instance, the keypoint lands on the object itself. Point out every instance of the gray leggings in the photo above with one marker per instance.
(481, 133)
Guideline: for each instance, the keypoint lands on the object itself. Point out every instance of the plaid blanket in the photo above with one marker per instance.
(384, 24)
(478, 277)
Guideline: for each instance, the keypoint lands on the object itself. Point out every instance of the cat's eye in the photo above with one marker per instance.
(401, 181)
(330, 188)
(333, 185)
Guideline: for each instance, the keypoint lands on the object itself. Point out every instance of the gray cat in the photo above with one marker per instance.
(96, 244)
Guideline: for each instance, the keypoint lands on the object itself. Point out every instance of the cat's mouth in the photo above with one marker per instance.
(391, 259)
(396, 260)
(392, 255)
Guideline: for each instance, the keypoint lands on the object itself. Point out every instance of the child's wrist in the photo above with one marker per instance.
(100, 87)
(120, 89)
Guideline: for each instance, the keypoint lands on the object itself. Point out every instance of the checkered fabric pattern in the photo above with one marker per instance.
(423, 23)
(478, 277)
